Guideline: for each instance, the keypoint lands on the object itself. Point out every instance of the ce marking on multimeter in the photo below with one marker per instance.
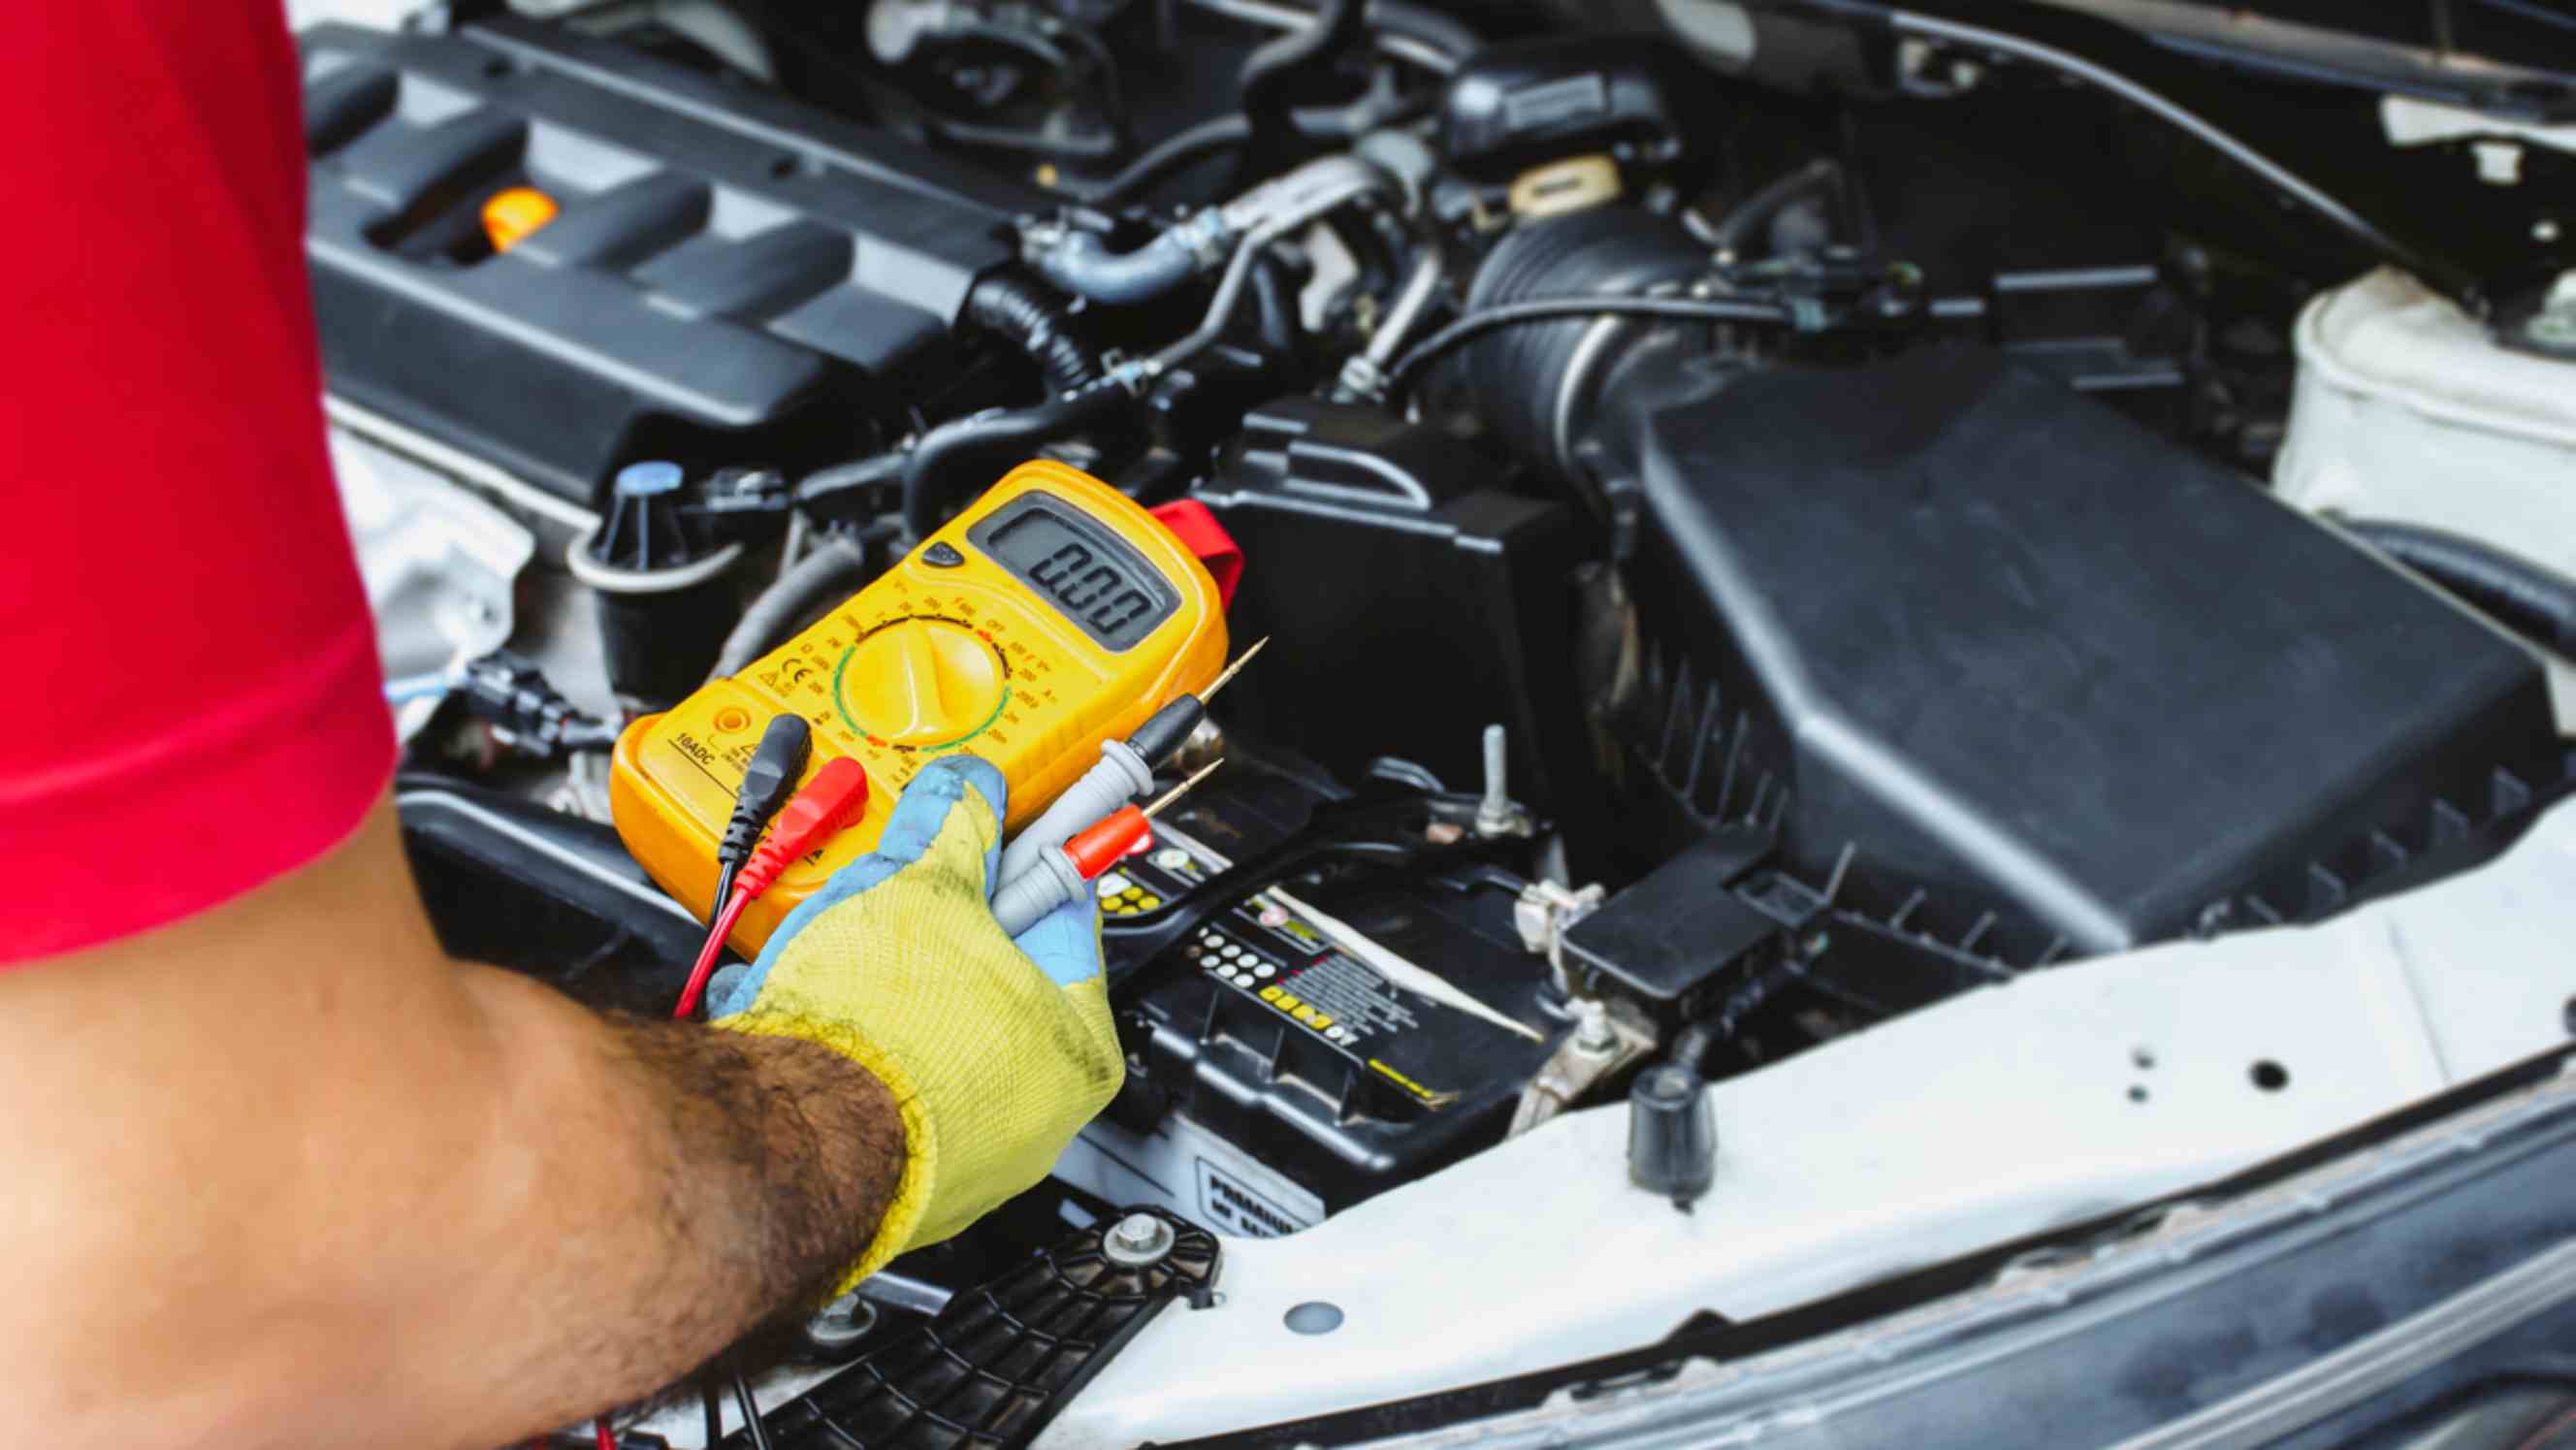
(793, 673)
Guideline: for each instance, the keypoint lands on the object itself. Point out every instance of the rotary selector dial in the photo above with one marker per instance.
(922, 683)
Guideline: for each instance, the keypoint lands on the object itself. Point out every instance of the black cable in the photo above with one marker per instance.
(750, 1412)
(1090, 148)
(713, 1404)
(2530, 11)
(1113, 89)
(833, 570)
(1228, 132)
(968, 453)
(1544, 309)
(2529, 598)
(767, 781)
(1696, 1045)
(1039, 48)
(1169, 154)
(1757, 210)
(1274, 75)
(724, 888)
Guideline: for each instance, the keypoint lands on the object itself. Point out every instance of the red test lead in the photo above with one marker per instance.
(1062, 872)
(830, 801)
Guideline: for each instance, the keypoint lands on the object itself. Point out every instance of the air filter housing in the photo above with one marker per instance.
(2019, 673)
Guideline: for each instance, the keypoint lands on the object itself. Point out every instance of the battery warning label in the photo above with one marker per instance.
(1233, 1206)
(1270, 951)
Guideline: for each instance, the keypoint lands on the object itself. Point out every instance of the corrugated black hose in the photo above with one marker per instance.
(1011, 304)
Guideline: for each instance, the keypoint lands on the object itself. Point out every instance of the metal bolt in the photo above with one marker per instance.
(1494, 812)
(1592, 1029)
(1137, 1241)
(841, 1326)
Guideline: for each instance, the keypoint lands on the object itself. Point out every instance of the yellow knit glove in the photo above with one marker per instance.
(998, 1051)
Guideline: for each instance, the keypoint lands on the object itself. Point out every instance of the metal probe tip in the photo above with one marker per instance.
(1176, 792)
(1240, 661)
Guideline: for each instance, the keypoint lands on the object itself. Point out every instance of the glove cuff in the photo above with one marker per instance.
(912, 1190)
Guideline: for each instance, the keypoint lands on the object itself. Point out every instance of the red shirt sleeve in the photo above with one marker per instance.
(196, 706)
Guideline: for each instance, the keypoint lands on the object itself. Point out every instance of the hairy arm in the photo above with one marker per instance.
(283, 1174)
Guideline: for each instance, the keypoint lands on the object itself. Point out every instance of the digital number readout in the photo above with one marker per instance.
(1096, 581)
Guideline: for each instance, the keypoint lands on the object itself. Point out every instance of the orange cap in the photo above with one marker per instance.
(511, 215)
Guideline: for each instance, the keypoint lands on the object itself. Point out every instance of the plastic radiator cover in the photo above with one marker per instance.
(2008, 668)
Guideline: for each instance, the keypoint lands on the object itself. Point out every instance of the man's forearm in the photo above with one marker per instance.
(784, 1156)
(760, 1170)
(284, 1175)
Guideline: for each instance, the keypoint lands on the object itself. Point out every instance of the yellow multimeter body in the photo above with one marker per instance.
(1052, 614)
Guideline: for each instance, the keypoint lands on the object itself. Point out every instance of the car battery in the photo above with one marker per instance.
(1278, 1072)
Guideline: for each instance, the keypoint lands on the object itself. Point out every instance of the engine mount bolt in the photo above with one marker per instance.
(1138, 1241)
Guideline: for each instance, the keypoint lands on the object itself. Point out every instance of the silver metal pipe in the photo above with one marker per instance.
(1411, 301)
(1273, 210)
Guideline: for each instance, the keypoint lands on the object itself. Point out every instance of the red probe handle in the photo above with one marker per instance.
(1099, 846)
(831, 800)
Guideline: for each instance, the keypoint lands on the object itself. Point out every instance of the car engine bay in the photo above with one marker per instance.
(1763, 526)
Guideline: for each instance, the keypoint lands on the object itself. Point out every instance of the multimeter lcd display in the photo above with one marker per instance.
(1080, 568)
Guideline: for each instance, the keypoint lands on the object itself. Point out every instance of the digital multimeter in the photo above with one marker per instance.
(1052, 614)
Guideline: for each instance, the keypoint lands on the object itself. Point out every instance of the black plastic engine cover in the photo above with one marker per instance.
(730, 276)
(2009, 669)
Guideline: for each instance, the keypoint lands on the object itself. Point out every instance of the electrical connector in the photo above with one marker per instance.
(526, 712)
(775, 764)
(740, 503)
(830, 801)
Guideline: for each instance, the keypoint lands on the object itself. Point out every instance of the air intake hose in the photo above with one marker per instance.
(1529, 380)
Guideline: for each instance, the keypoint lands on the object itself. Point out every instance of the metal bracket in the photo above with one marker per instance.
(1544, 913)
(1602, 1043)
